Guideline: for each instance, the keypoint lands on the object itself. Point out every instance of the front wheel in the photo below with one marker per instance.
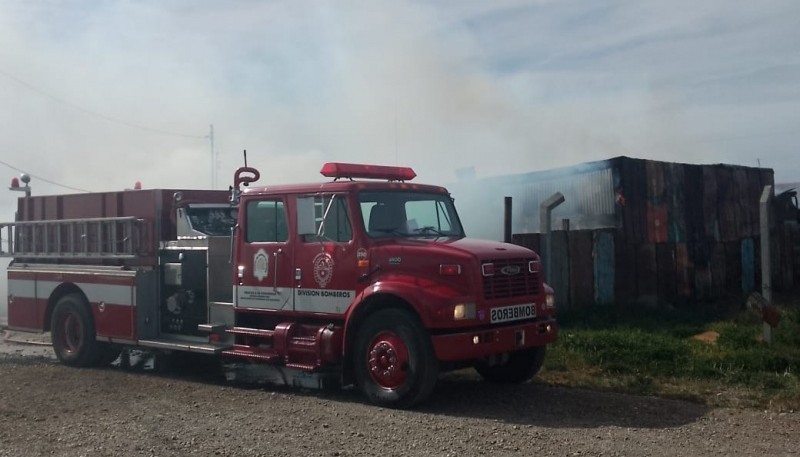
(519, 367)
(393, 359)
(72, 332)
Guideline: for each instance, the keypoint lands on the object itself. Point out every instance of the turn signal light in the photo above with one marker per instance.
(550, 301)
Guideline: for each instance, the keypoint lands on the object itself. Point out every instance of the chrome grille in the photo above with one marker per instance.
(502, 285)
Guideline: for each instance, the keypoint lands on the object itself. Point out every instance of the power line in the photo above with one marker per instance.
(43, 179)
(95, 113)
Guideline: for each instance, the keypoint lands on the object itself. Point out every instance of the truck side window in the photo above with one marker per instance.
(266, 222)
(337, 221)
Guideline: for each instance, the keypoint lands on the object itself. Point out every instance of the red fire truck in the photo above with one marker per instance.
(367, 279)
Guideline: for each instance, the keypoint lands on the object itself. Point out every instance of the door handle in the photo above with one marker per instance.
(275, 276)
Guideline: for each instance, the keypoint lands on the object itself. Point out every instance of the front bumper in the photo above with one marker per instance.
(480, 343)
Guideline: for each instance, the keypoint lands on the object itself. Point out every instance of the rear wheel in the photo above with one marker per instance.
(520, 367)
(394, 362)
(72, 332)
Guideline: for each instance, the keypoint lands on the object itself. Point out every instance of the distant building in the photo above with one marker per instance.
(638, 230)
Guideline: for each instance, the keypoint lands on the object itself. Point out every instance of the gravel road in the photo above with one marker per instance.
(50, 409)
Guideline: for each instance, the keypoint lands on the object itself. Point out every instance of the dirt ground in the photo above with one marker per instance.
(50, 409)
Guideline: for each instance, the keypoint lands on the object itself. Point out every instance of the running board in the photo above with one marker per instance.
(189, 346)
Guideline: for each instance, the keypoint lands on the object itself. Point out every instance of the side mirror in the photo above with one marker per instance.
(306, 224)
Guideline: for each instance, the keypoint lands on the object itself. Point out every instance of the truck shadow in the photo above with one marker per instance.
(548, 406)
(464, 395)
(458, 395)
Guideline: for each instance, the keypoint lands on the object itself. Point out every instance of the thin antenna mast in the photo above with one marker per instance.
(213, 156)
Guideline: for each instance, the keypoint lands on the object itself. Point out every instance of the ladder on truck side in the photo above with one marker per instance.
(89, 238)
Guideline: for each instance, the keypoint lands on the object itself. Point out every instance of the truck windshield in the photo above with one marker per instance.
(406, 213)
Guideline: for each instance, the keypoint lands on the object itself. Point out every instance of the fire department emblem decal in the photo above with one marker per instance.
(260, 265)
(323, 268)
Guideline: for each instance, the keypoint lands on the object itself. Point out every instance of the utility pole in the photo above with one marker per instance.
(213, 156)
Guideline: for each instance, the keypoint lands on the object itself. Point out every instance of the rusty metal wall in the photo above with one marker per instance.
(685, 234)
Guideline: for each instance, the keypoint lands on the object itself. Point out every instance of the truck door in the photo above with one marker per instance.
(263, 271)
(325, 264)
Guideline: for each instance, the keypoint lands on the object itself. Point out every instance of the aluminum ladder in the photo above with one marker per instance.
(90, 238)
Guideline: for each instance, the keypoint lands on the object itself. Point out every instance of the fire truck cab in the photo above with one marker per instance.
(367, 279)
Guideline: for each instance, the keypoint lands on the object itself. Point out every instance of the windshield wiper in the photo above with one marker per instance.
(428, 229)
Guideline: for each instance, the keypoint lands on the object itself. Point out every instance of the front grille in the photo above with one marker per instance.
(501, 285)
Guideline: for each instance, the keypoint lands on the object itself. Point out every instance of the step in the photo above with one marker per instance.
(247, 331)
(177, 344)
(303, 367)
(249, 352)
(212, 328)
(302, 341)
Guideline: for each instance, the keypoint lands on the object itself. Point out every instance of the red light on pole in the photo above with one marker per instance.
(24, 178)
(137, 185)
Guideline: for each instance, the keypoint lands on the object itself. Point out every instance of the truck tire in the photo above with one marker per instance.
(72, 332)
(393, 359)
(521, 366)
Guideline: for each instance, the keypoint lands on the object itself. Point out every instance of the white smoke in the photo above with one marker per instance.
(505, 87)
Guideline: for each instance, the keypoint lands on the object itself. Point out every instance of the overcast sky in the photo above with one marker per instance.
(97, 95)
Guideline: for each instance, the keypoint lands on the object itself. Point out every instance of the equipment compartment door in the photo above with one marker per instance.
(184, 291)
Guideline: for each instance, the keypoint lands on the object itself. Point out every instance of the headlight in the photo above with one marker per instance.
(464, 311)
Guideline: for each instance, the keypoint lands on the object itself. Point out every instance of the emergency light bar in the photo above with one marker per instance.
(353, 170)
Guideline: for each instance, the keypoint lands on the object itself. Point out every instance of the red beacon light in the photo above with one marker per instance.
(14, 182)
(353, 170)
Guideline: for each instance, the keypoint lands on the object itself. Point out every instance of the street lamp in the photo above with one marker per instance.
(25, 180)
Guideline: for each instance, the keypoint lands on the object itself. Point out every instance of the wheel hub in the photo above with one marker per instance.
(387, 360)
(71, 332)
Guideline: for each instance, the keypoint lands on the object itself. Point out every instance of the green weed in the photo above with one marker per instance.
(631, 351)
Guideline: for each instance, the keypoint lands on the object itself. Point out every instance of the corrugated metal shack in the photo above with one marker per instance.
(634, 230)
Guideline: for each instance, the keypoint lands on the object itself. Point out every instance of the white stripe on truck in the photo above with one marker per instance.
(108, 293)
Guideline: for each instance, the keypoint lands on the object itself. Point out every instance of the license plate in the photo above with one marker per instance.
(513, 313)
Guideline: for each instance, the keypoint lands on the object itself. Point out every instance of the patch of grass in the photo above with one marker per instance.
(629, 351)
(788, 331)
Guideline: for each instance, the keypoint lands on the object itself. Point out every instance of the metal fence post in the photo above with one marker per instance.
(545, 210)
(766, 254)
